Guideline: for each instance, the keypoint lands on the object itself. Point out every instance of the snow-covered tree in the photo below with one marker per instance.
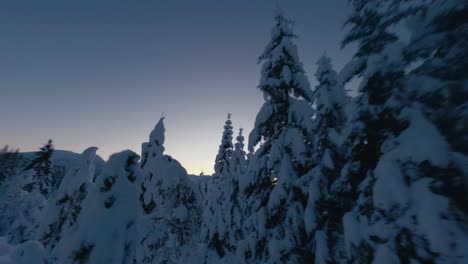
(105, 229)
(323, 213)
(235, 213)
(274, 186)
(438, 45)
(155, 146)
(63, 211)
(393, 184)
(43, 169)
(151, 149)
(222, 219)
(239, 158)
(223, 158)
(171, 208)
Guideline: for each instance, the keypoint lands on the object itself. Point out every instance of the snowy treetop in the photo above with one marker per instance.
(329, 91)
(155, 146)
(282, 72)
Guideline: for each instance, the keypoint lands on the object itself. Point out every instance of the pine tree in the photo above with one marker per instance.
(394, 174)
(439, 44)
(238, 169)
(274, 184)
(150, 150)
(155, 146)
(171, 207)
(238, 159)
(222, 216)
(223, 159)
(43, 169)
(323, 214)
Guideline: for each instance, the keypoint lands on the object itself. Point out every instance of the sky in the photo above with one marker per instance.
(101, 73)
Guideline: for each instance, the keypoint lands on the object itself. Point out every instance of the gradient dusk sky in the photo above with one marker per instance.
(101, 73)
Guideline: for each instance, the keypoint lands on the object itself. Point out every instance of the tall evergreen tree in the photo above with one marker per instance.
(223, 159)
(155, 146)
(171, 208)
(151, 149)
(438, 43)
(43, 169)
(323, 214)
(221, 217)
(274, 184)
(238, 169)
(393, 177)
(238, 159)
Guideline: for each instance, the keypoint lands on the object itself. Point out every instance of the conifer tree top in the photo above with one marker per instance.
(156, 139)
(42, 161)
(240, 140)
(225, 148)
(282, 72)
(328, 92)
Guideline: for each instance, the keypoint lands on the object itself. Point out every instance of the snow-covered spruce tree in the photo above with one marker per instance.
(274, 185)
(223, 158)
(235, 217)
(171, 206)
(154, 147)
(105, 229)
(221, 216)
(399, 163)
(150, 150)
(63, 211)
(239, 158)
(439, 43)
(323, 213)
(238, 169)
(43, 169)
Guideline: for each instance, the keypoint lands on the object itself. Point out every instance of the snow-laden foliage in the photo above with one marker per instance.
(170, 206)
(438, 44)
(395, 174)
(222, 216)
(274, 185)
(21, 210)
(105, 230)
(322, 214)
(155, 146)
(169, 229)
(238, 159)
(223, 158)
(43, 170)
(63, 210)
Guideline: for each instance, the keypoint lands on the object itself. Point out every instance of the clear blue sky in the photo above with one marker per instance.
(100, 73)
